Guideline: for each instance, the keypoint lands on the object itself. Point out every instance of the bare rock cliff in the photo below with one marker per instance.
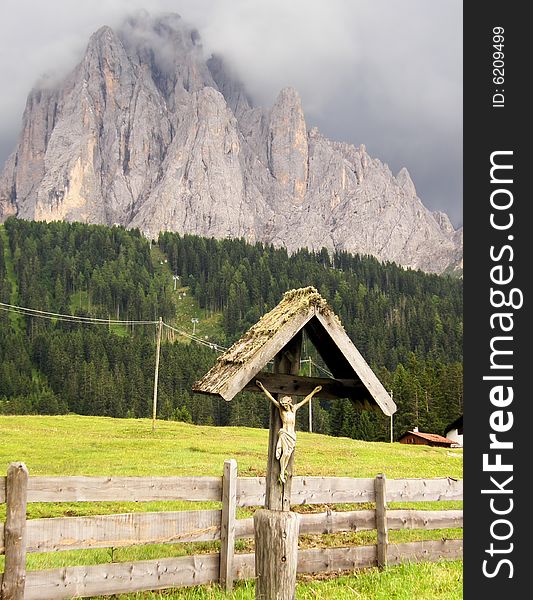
(147, 133)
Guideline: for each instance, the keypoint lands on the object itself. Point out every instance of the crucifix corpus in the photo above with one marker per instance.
(277, 337)
(287, 434)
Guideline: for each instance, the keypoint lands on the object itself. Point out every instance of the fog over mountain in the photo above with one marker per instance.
(386, 74)
(148, 132)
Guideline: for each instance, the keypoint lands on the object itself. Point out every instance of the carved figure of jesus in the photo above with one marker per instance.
(287, 434)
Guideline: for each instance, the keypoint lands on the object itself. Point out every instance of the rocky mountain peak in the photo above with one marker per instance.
(287, 145)
(102, 37)
(444, 222)
(147, 132)
(105, 50)
(405, 181)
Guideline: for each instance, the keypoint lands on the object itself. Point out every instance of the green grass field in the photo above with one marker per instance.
(74, 445)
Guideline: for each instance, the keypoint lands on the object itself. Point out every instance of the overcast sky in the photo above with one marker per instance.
(386, 73)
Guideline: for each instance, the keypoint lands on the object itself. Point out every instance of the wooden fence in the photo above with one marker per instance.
(19, 536)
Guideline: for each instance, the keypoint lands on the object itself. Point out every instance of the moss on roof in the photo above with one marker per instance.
(294, 302)
(297, 309)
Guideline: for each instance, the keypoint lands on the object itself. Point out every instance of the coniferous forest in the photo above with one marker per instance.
(407, 325)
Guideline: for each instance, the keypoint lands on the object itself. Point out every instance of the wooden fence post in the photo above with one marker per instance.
(380, 488)
(15, 532)
(227, 529)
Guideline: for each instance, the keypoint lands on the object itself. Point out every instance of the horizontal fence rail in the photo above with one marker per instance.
(116, 531)
(185, 571)
(250, 490)
(141, 528)
(122, 489)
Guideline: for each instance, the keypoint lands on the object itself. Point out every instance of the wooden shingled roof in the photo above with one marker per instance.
(301, 309)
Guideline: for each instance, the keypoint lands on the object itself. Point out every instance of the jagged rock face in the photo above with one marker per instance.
(287, 145)
(146, 133)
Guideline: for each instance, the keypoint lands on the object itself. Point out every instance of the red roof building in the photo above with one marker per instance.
(425, 439)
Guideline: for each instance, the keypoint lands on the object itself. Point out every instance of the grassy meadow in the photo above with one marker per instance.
(75, 445)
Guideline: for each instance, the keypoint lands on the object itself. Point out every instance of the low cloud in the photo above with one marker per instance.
(379, 72)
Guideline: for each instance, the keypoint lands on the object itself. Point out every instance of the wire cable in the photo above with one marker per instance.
(53, 316)
(212, 345)
(33, 312)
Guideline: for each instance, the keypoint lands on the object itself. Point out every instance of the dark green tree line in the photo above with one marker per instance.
(407, 324)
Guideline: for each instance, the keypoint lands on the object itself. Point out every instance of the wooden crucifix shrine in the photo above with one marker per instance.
(277, 337)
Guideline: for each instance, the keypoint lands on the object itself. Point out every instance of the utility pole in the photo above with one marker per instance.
(156, 374)
(392, 398)
(310, 401)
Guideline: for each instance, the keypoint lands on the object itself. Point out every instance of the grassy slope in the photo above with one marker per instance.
(74, 445)
(209, 326)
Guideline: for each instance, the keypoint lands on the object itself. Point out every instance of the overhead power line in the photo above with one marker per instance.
(195, 338)
(43, 314)
(53, 316)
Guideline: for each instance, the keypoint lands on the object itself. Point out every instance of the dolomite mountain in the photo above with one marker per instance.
(145, 132)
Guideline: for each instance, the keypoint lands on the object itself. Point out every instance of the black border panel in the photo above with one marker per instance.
(497, 124)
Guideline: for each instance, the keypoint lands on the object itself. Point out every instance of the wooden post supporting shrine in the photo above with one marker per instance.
(275, 527)
(278, 494)
(276, 554)
(278, 336)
